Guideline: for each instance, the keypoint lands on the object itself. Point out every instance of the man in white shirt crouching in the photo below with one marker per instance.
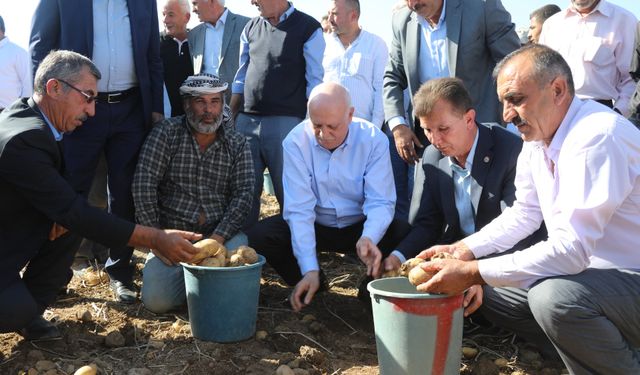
(338, 195)
(579, 170)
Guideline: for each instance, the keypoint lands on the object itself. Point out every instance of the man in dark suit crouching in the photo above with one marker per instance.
(467, 176)
(37, 205)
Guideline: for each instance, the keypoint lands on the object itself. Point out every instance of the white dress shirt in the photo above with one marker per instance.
(312, 50)
(586, 187)
(15, 73)
(336, 189)
(360, 68)
(113, 46)
(213, 45)
(598, 47)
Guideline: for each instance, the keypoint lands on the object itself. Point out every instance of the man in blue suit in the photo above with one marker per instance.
(467, 174)
(121, 38)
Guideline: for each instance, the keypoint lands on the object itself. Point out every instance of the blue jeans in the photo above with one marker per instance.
(265, 135)
(163, 285)
(403, 177)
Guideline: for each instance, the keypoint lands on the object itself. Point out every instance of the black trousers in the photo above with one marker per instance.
(271, 238)
(28, 296)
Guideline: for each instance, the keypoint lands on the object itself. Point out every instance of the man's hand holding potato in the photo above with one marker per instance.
(459, 250)
(454, 276)
(170, 245)
(391, 263)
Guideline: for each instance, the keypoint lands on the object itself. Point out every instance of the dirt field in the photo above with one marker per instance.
(332, 336)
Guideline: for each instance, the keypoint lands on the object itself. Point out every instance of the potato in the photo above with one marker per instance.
(212, 262)
(236, 260)
(250, 256)
(407, 266)
(208, 248)
(91, 369)
(418, 276)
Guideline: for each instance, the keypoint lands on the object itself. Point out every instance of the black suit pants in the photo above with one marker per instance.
(28, 296)
(271, 238)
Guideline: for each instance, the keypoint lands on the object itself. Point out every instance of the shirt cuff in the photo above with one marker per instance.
(374, 235)
(396, 121)
(237, 88)
(478, 245)
(399, 255)
(308, 263)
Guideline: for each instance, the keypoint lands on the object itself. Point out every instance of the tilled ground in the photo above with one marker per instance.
(332, 336)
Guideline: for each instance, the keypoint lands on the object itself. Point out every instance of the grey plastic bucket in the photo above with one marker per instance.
(416, 333)
(223, 301)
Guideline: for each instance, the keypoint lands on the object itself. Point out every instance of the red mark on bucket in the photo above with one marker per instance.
(443, 309)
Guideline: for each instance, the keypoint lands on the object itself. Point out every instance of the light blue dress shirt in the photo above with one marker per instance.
(433, 57)
(313, 52)
(336, 189)
(462, 185)
(462, 195)
(213, 45)
(112, 46)
(56, 134)
(434, 60)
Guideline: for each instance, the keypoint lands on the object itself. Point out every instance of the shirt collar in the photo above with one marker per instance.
(424, 23)
(469, 162)
(221, 21)
(287, 13)
(553, 150)
(56, 134)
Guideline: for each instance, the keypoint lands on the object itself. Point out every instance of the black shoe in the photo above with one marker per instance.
(122, 292)
(40, 329)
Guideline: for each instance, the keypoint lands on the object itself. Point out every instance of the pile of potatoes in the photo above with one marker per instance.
(213, 254)
(416, 274)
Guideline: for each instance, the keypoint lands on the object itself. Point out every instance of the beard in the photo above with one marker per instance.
(196, 123)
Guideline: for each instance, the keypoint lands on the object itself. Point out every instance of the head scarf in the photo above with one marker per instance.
(202, 84)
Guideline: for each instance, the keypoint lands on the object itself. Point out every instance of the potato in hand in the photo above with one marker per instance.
(418, 276)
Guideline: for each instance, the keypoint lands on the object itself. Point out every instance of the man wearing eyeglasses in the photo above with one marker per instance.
(37, 205)
(121, 38)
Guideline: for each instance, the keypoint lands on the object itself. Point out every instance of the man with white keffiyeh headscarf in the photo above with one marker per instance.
(195, 171)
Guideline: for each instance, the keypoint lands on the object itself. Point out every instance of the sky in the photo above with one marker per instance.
(375, 17)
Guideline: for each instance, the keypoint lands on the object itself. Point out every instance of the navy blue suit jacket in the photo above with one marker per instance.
(68, 25)
(34, 195)
(492, 186)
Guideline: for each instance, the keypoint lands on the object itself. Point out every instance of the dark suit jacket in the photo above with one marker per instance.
(479, 34)
(229, 52)
(492, 187)
(68, 25)
(33, 194)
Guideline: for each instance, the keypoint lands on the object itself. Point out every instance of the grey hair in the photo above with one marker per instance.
(547, 65)
(64, 65)
(184, 5)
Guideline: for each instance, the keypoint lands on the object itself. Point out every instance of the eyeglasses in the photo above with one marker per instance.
(90, 98)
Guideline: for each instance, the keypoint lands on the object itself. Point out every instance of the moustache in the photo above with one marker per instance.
(517, 121)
